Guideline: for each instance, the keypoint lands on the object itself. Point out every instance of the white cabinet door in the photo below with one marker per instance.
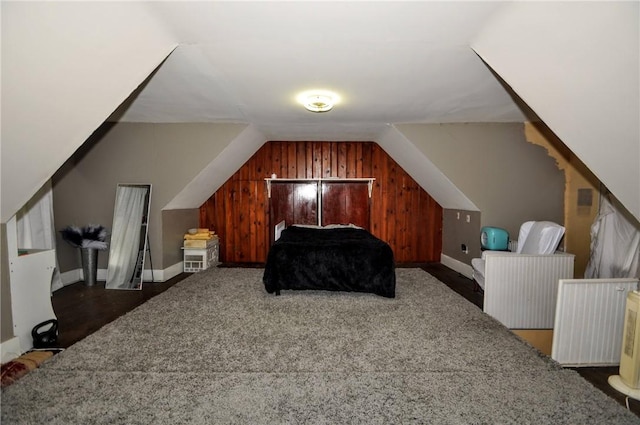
(30, 282)
(31, 293)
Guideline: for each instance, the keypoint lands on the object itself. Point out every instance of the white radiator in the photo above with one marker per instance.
(520, 289)
(590, 320)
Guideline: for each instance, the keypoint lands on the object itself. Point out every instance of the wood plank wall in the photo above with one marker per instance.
(402, 213)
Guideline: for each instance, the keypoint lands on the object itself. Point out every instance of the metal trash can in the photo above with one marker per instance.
(89, 265)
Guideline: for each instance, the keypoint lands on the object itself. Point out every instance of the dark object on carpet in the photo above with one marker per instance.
(45, 334)
(340, 259)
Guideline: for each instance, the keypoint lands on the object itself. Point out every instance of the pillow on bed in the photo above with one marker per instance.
(342, 226)
(307, 226)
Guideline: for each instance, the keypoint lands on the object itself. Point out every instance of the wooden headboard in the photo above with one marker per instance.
(320, 201)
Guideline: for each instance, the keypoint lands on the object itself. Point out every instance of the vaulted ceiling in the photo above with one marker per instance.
(69, 66)
(390, 63)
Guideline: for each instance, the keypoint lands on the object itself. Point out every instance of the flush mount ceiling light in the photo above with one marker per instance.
(318, 100)
(318, 103)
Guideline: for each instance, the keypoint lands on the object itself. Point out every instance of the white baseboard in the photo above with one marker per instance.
(171, 271)
(10, 349)
(101, 275)
(459, 266)
(76, 275)
(72, 276)
(163, 275)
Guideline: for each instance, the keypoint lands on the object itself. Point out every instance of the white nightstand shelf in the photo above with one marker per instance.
(198, 259)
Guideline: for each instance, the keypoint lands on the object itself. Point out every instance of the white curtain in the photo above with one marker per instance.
(615, 243)
(35, 227)
(125, 235)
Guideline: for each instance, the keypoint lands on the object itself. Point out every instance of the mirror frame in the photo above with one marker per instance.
(118, 264)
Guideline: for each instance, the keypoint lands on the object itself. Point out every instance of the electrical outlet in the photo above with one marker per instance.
(468, 218)
(464, 248)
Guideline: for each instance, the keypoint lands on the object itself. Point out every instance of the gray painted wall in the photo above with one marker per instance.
(168, 156)
(509, 179)
(175, 223)
(456, 231)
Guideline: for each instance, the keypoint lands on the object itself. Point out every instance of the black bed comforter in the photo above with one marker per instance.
(341, 259)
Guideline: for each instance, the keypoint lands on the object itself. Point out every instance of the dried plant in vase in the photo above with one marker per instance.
(92, 236)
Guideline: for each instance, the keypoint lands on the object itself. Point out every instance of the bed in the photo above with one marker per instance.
(332, 258)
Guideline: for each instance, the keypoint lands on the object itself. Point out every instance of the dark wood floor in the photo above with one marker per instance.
(82, 310)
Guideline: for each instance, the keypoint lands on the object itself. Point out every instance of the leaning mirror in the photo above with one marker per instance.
(129, 237)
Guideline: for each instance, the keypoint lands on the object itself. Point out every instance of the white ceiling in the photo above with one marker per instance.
(67, 65)
(391, 62)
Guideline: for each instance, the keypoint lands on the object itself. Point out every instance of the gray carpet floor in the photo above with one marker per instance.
(217, 349)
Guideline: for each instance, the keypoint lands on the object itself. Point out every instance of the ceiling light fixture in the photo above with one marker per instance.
(318, 100)
(318, 103)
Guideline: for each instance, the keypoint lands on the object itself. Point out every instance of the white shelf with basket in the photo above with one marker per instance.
(197, 259)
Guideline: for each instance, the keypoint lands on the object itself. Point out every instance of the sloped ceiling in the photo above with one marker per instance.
(582, 79)
(391, 62)
(72, 63)
(65, 67)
